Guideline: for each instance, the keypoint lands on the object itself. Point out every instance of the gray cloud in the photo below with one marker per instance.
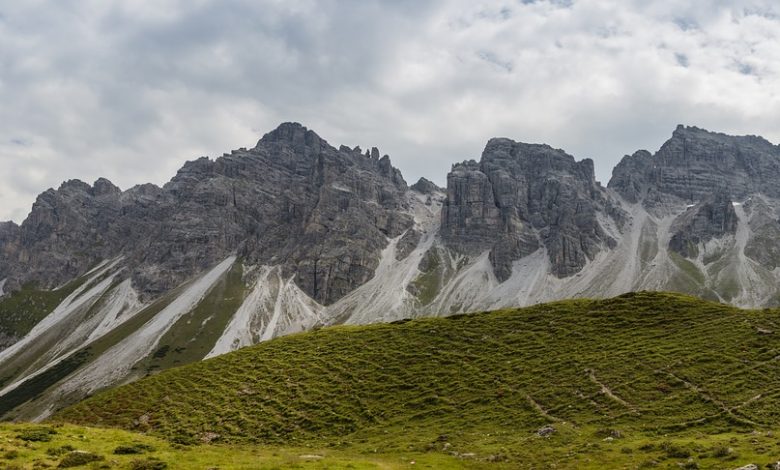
(130, 90)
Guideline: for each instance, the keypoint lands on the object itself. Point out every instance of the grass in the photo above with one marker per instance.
(688, 268)
(20, 311)
(96, 448)
(427, 285)
(189, 340)
(644, 379)
(193, 336)
(107, 448)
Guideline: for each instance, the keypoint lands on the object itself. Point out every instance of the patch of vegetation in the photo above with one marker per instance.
(635, 380)
(195, 333)
(136, 448)
(20, 311)
(674, 451)
(648, 243)
(37, 434)
(690, 269)
(427, 285)
(57, 451)
(77, 458)
(148, 464)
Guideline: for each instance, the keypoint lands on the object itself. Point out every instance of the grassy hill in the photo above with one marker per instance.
(69, 446)
(641, 380)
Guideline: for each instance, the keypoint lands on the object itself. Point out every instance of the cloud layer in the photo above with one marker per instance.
(130, 90)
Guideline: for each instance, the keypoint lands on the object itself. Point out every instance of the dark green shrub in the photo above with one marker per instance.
(77, 458)
(136, 448)
(36, 434)
(57, 451)
(149, 464)
(674, 451)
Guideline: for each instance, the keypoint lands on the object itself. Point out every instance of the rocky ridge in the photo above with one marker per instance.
(521, 197)
(294, 234)
(292, 200)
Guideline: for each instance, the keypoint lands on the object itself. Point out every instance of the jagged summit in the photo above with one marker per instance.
(293, 199)
(293, 133)
(522, 197)
(693, 163)
(426, 186)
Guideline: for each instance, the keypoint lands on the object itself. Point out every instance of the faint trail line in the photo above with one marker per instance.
(722, 406)
(753, 366)
(746, 402)
(542, 411)
(590, 400)
(608, 392)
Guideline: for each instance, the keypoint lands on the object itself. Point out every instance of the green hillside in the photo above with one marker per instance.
(645, 379)
(68, 446)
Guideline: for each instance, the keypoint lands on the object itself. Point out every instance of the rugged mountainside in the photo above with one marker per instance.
(103, 286)
(320, 213)
(522, 197)
(694, 163)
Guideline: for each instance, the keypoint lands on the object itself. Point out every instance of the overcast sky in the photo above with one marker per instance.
(130, 90)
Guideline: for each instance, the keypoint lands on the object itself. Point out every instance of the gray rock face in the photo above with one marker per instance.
(694, 163)
(293, 200)
(425, 186)
(521, 197)
(324, 215)
(335, 236)
(67, 231)
(764, 244)
(9, 246)
(713, 218)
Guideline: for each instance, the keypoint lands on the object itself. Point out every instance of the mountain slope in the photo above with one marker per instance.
(643, 368)
(322, 214)
(102, 286)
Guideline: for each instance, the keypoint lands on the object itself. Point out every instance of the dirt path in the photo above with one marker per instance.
(608, 392)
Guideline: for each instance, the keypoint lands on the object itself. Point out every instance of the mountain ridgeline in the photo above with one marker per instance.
(101, 286)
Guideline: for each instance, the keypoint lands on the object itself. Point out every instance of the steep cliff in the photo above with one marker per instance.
(521, 197)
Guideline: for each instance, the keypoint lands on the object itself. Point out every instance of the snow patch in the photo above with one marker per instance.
(2, 285)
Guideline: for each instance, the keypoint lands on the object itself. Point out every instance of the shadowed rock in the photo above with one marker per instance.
(713, 218)
(522, 197)
(292, 200)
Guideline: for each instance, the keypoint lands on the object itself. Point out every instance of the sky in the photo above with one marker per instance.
(130, 90)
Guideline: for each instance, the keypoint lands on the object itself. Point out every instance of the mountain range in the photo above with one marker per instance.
(100, 286)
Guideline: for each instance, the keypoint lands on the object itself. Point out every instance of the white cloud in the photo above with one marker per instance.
(130, 90)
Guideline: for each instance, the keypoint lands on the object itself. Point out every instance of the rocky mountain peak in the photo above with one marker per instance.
(74, 186)
(103, 187)
(693, 163)
(323, 215)
(426, 186)
(522, 197)
(295, 135)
